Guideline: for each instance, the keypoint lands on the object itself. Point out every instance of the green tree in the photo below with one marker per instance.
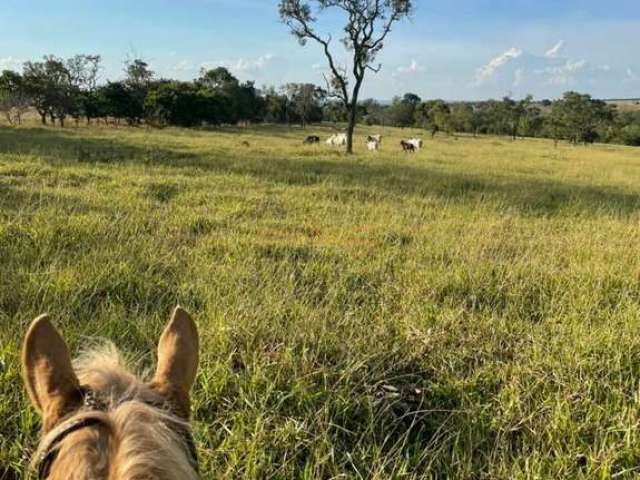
(630, 135)
(83, 75)
(122, 102)
(401, 113)
(531, 122)
(334, 112)
(435, 116)
(374, 113)
(411, 99)
(305, 100)
(50, 86)
(223, 91)
(138, 78)
(173, 103)
(578, 117)
(248, 105)
(138, 73)
(95, 104)
(218, 79)
(462, 118)
(276, 106)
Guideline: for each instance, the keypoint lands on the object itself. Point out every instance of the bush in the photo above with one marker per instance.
(631, 135)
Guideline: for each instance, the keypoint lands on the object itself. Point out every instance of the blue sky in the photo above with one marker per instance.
(456, 49)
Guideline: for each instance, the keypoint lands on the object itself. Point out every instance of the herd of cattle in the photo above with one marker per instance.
(373, 142)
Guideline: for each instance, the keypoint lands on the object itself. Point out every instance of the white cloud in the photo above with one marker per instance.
(10, 63)
(564, 74)
(486, 73)
(519, 72)
(553, 52)
(414, 68)
(518, 78)
(183, 66)
(243, 66)
(341, 65)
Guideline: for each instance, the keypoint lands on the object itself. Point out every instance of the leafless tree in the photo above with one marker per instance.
(368, 24)
(14, 100)
(14, 105)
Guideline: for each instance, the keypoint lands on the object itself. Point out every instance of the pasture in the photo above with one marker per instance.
(468, 311)
(629, 105)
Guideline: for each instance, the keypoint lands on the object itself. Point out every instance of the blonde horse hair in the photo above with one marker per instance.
(134, 437)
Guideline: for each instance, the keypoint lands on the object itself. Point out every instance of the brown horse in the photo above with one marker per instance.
(99, 420)
(407, 146)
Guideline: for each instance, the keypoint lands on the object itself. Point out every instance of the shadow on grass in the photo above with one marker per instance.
(528, 196)
(291, 133)
(68, 146)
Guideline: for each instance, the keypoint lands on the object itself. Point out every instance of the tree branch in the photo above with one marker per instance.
(365, 20)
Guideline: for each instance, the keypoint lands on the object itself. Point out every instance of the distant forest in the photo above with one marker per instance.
(69, 89)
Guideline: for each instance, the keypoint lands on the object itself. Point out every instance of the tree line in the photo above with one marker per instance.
(62, 89)
(576, 117)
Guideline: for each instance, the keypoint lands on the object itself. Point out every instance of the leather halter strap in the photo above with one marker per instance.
(51, 452)
(91, 403)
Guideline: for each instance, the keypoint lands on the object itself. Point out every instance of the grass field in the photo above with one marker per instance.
(630, 105)
(468, 312)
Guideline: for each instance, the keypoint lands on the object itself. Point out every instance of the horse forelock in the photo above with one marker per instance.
(133, 439)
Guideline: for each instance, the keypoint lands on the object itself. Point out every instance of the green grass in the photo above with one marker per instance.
(471, 311)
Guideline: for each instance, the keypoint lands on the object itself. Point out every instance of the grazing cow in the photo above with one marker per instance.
(375, 138)
(311, 140)
(373, 146)
(416, 142)
(337, 140)
(99, 420)
(407, 146)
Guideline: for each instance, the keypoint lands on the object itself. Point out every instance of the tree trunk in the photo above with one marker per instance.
(43, 118)
(353, 114)
(351, 128)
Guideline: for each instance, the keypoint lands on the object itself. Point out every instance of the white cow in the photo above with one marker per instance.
(375, 138)
(337, 140)
(373, 146)
(416, 142)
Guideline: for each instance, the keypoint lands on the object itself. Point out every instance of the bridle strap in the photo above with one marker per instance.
(49, 455)
(92, 403)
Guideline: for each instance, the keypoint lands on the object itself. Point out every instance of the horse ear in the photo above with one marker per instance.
(52, 385)
(178, 353)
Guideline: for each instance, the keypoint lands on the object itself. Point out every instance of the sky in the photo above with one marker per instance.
(450, 49)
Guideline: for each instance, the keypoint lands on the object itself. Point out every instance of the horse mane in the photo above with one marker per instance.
(134, 439)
